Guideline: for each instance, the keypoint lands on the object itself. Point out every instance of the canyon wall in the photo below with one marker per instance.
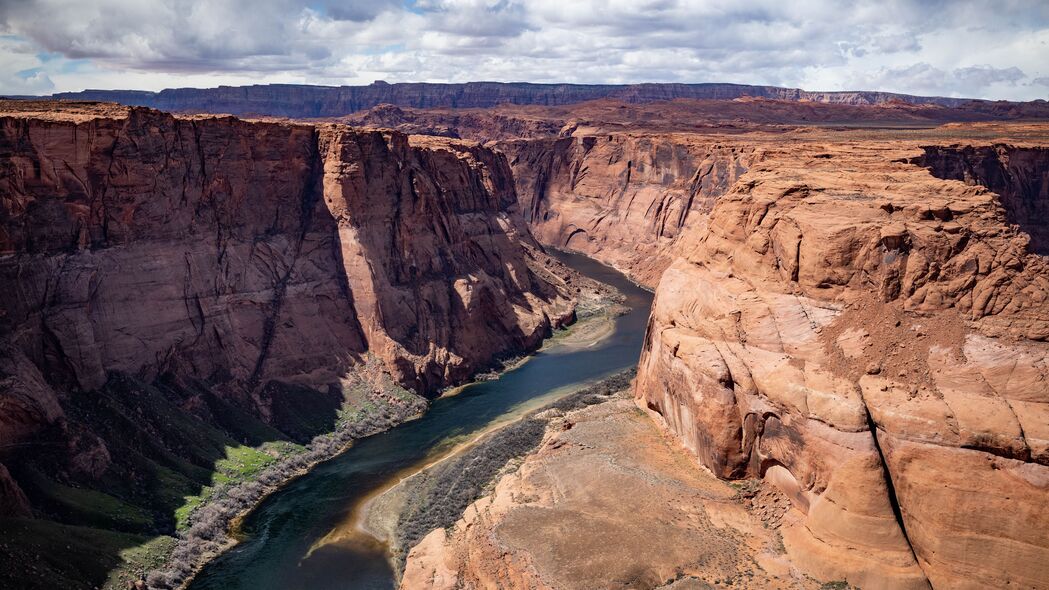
(300, 101)
(622, 198)
(1019, 175)
(258, 261)
(871, 339)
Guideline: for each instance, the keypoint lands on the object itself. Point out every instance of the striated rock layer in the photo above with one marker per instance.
(290, 100)
(622, 198)
(863, 330)
(249, 257)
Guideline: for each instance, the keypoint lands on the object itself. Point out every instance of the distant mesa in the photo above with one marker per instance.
(305, 101)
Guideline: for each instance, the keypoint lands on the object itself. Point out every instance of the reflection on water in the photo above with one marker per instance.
(275, 552)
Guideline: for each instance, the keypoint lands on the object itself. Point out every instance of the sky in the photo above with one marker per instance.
(971, 48)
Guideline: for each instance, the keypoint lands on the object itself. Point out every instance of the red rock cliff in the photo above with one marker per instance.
(247, 253)
(622, 198)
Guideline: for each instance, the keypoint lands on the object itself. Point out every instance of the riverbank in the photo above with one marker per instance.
(282, 541)
(435, 496)
(604, 499)
(374, 404)
(214, 526)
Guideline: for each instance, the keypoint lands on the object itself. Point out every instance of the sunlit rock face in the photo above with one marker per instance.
(623, 198)
(871, 339)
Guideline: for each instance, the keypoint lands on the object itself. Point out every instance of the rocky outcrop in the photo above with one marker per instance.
(622, 198)
(871, 339)
(247, 257)
(484, 125)
(302, 101)
(1019, 175)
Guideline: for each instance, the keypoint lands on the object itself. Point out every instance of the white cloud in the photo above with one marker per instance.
(963, 48)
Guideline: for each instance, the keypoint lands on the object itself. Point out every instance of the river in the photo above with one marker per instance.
(277, 537)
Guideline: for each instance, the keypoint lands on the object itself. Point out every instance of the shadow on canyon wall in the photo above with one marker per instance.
(1019, 175)
(161, 461)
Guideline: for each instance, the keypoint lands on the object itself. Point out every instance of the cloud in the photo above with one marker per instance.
(358, 11)
(985, 75)
(923, 78)
(964, 47)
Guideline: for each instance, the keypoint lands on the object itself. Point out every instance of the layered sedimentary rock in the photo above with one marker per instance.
(871, 339)
(484, 125)
(1019, 175)
(246, 256)
(303, 101)
(846, 319)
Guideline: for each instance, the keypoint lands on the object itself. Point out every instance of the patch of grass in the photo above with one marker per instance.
(191, 503)
(139, 560)
(241, 464)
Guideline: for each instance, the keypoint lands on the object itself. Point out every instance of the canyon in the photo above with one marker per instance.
(178, 287)
(850, 320)
(854, 316)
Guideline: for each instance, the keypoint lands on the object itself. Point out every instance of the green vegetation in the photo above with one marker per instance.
(240, 465)
(171, 459)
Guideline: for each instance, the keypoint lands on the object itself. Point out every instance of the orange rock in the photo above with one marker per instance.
(809, 272)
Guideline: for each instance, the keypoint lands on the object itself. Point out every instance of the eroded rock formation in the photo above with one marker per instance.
(871, 339)
(621, 198)
(1019, 175)
(607, 502)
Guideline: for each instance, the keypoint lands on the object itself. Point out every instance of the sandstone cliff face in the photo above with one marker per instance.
(246, 254)
(478, 124)
(1019, 175)
(871, 339)
(622, 198)
(606, 502)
